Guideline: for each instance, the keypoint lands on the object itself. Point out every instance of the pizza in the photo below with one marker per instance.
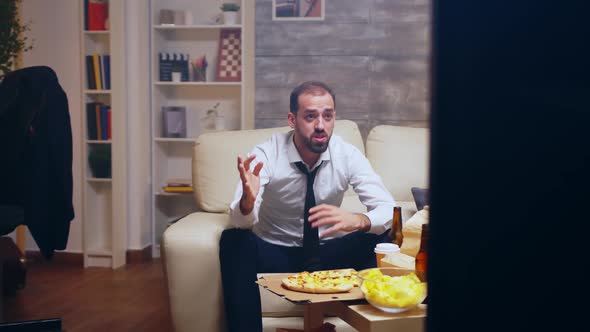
(322, 282)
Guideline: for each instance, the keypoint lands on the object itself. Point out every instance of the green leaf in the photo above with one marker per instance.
(12, 38)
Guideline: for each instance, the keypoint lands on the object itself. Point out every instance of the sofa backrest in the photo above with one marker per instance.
(214, 162)
(400, 156)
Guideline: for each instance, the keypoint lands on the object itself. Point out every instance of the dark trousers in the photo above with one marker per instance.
(243, 254)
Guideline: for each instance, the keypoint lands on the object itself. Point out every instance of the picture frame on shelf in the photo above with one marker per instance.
(229, 56)
(174, 121)
(298, 10)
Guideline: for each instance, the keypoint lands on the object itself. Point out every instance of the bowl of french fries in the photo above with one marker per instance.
(391, 289)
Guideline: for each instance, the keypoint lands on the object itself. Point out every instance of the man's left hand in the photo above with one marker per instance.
(341, 220)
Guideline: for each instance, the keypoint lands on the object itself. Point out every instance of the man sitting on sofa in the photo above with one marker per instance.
(286, 207)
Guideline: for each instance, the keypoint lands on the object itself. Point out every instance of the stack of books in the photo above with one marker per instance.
(98, 121)
(98, 71)
(96, 15)
(178, 186)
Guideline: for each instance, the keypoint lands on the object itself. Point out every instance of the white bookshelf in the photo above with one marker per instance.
(171, 156)
(104, 198)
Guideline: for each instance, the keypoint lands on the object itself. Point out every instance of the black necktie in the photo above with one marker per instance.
(311, 239)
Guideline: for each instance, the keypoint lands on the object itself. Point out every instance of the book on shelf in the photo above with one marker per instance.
(104, 125)
(109, 122)
(96, 64)
(91, 127)
(179, 183)
(102, 71)
(169, 189)
(91, 83)
(96, 15)
(107, 70)
(98, 71)
(98, 121)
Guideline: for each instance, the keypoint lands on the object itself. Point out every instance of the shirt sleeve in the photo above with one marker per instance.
(371, 191)
(237, 218)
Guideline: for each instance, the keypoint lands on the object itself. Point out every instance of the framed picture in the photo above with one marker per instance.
(174, 121)
(229, 56)
(298, 10)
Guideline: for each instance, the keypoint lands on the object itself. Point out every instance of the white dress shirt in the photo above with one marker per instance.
(277, 216)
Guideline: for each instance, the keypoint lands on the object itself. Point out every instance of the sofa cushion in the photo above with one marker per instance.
(189, 247)
(214, 163)
(408, 209)
(400, 156)
(420, 197)
(412, 231)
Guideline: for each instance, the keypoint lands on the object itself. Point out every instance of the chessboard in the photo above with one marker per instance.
(229, 57)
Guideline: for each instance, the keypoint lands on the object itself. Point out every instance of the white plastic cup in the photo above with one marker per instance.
(383, 249)
(219, 123)
(188, 17)
(176, 75)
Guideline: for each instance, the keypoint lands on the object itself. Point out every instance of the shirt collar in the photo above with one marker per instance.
(293, 154)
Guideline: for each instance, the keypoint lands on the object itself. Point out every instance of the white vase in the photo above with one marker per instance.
(230, 18)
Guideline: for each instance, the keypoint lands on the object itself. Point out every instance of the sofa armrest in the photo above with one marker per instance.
(190, 256)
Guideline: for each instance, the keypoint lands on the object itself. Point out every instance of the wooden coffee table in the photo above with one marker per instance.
(350, 308)
(364, 317)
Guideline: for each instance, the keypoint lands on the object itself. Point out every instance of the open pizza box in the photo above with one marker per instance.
(272, 283)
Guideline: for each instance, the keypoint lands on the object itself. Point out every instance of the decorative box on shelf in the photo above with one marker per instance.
(174, 121)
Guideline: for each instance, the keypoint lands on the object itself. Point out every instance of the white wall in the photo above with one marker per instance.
(56, 34)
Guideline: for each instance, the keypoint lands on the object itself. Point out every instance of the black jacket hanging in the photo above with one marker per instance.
(36, 174)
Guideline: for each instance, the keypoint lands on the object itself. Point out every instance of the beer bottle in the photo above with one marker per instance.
(421, 256)
(395, 234)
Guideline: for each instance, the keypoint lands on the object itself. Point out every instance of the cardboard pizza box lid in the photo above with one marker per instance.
(272, 283)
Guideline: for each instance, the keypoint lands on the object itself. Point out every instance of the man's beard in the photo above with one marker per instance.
(315, 147)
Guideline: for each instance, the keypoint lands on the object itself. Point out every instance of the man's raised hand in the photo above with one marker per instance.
(339, 219)
(250, 183)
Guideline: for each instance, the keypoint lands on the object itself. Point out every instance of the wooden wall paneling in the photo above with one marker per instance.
(402, 95)
(335, 70)
(400, 11)
(374, 53)
(313, 38)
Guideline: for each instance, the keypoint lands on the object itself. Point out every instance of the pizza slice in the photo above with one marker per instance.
(335, 273)
(322, 282)
(339, 276)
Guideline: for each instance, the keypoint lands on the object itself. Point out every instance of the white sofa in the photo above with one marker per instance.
(190, 247)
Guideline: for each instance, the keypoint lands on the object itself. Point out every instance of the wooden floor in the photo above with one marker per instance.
(132, 298)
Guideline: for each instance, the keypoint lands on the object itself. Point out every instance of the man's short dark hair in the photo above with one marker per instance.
(312, 87)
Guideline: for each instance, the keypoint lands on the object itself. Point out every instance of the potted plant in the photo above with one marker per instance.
(12, 39)
(230, 13)
(99, 160)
